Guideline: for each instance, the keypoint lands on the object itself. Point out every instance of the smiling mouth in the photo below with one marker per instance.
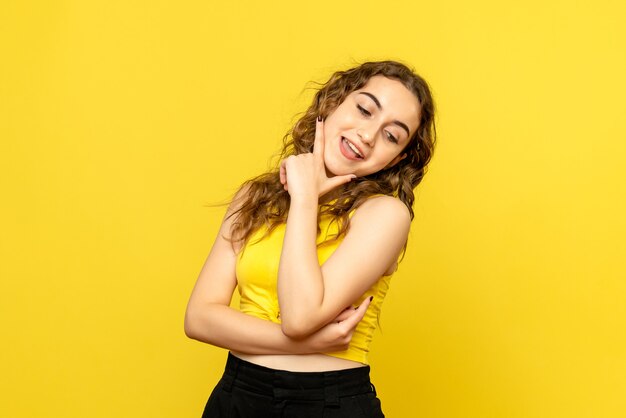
(352, 148)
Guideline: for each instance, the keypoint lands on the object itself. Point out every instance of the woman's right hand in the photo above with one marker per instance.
(337, 334)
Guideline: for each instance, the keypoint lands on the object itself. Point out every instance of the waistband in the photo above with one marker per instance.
(283, 384)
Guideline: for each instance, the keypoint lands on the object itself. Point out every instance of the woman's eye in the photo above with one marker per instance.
(363, 111)
(392, 138)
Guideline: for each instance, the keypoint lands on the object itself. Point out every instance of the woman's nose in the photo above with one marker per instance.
(366, 135)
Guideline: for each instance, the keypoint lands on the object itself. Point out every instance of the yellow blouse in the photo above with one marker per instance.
(257, 277)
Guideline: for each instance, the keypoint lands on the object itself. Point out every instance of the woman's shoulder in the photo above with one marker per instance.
(382, 209)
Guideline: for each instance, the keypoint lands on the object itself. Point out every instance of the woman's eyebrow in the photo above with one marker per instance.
(371, 96)
(378, 105)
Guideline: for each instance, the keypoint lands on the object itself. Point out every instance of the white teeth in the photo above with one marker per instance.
(353, 148)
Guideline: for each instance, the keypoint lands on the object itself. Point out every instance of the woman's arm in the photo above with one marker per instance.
(309, 294)
(210, 319)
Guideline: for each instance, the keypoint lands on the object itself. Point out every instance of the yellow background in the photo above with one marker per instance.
(120, 121)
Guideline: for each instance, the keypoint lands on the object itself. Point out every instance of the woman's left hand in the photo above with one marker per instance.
(304, 175)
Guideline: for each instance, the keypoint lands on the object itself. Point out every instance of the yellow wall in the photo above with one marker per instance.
(120, 120)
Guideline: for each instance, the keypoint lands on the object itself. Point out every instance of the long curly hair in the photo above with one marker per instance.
(266, 203)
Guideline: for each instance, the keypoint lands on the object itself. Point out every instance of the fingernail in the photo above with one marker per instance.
(371, 298)
(319, 118)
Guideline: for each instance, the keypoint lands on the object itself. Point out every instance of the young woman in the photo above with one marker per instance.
(311, 246)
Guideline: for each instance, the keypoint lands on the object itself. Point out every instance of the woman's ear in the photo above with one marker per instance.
(396, 160)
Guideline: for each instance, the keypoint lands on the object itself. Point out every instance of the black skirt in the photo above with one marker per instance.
(247, 390)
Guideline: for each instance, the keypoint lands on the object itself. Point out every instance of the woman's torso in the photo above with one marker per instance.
(257, 275)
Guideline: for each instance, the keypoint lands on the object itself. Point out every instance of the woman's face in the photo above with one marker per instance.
(369, 129)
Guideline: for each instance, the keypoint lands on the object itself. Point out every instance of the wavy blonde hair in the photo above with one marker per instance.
(266, 203)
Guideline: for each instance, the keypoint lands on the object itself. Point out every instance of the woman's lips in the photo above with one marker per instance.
(347, 151)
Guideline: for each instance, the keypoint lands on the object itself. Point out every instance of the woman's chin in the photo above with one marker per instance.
(333, 170)
(335, 173)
